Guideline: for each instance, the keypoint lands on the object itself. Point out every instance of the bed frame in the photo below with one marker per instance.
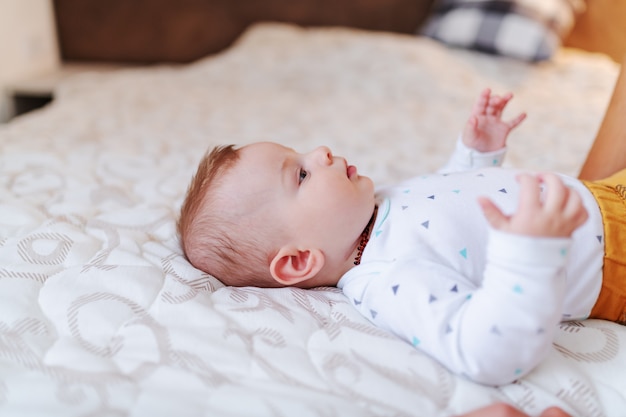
(150, 31)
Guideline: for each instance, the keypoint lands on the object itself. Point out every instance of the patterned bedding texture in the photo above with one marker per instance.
(100, 314)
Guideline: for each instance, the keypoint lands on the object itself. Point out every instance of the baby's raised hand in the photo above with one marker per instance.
(557, 215)
(485, 130)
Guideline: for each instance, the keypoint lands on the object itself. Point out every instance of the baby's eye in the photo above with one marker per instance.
(303, 174)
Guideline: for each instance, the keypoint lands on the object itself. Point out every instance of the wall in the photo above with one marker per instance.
(28, 44)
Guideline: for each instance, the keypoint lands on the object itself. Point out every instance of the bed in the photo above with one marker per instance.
(100, 313)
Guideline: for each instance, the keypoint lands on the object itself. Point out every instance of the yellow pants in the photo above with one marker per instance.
(610, 193)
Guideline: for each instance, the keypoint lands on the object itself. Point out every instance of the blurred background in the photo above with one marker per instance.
(43, 41)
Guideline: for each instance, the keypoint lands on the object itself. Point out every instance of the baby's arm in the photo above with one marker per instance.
(485, 131)
(558, 215)
(483, 140)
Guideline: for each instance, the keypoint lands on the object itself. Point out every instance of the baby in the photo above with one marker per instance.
(475, 265)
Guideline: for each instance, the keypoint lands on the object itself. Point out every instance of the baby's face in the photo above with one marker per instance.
(316, 198)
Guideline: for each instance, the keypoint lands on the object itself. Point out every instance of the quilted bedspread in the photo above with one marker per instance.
(101, 315)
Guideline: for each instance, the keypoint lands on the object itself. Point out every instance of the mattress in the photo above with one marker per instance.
(100, 313)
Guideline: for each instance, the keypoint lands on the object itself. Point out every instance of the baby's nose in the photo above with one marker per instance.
(325, 154)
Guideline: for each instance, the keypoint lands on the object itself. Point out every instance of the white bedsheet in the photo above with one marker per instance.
(100, 315)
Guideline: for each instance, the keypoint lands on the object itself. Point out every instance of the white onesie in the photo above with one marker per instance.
(483, 303)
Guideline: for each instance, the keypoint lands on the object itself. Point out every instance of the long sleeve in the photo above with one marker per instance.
(492, 334)
(482, 302)
(465, 159)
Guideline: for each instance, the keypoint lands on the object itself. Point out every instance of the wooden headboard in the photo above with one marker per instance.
(149, 31)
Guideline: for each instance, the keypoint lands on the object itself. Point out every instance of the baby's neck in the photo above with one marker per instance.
(330, 275)
(365, 237)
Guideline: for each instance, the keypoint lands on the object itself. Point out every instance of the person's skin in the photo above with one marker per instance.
(608, 151)
(318, 202)
(558, 214)
(485, 131)
(505, 410)
(320, 205)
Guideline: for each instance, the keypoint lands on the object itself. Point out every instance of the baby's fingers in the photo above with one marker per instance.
(575, 210)
(515, 122)
(564, 205)
(530, 192)
(497, 103)
(480, 107)
(557, 193)
(493, 214)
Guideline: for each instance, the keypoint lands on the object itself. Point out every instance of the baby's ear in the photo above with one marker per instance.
(291, 266)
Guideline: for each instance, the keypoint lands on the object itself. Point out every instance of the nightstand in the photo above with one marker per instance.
(34, 92)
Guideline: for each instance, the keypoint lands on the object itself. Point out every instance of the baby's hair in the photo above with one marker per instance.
(206, 229)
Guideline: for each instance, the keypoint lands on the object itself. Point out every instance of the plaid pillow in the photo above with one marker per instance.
(527, 29)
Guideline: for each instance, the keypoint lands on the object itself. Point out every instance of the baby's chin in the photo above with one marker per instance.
(371, 189)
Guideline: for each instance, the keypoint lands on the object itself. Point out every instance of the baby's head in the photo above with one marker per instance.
(264, 215)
